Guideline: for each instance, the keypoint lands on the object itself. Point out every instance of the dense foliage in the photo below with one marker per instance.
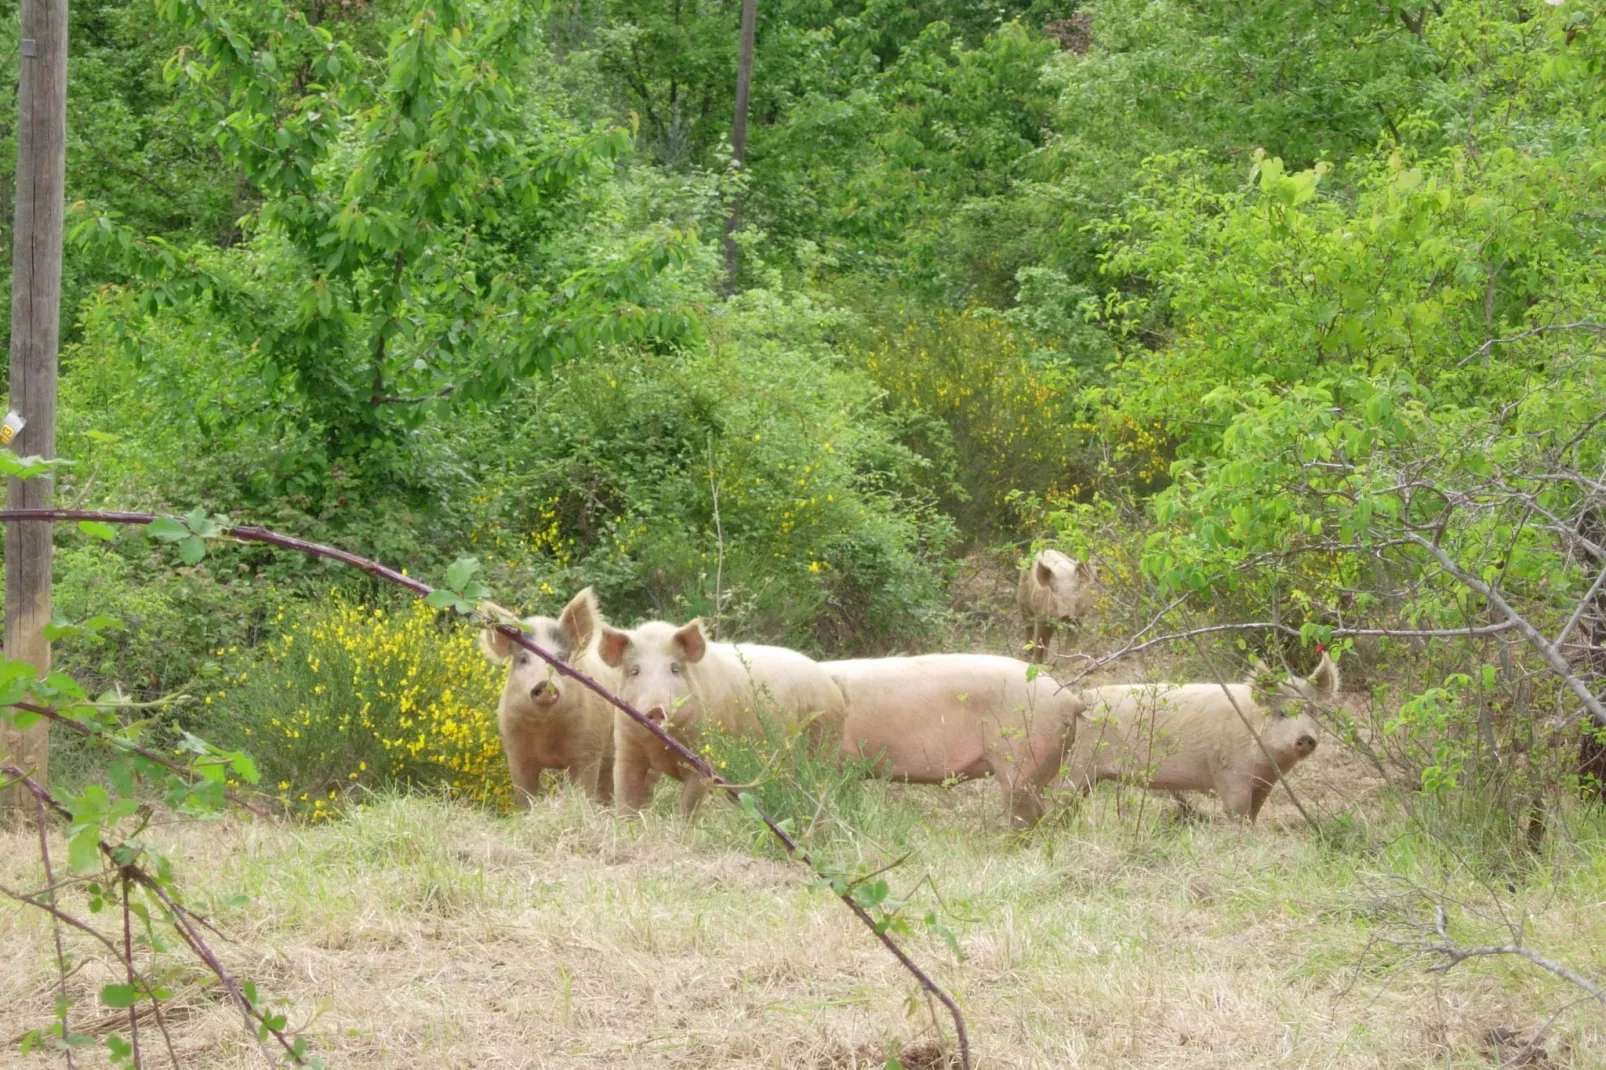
(1294, 309)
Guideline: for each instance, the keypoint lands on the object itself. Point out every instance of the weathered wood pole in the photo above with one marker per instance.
(744, 85)
(35, 334)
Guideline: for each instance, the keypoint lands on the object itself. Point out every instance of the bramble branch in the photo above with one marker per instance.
(184, 922)
(144, 752)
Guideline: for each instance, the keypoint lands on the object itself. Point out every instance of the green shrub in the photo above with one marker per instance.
(355, 696)
(755, 481)
(1005, 422)
(174, 616)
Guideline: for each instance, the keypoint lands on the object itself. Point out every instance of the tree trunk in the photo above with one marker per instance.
(35, 333)
(744, 83)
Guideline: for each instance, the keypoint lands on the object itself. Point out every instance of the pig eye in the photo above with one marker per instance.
(635, 670)
(522, 659)
(674, 667)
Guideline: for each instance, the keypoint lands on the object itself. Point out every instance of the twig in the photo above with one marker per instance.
(55, 927)
(1285, 629)
(1581, 325)
(251, 533)
(719, 537)
(183, 924)
(128, 963)
(41, 797)
(1583, 604)
(1454, 954)
(59, 915)
(894, 864)
(1551, 654)
(50, 714)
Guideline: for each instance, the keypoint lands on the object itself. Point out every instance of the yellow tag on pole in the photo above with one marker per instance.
(10, 426)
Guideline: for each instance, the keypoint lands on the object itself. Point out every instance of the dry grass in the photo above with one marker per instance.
(419, 932)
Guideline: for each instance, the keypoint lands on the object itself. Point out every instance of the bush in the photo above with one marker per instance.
(173, 616)
(1004, 422)
(365, 696)
(755, 482)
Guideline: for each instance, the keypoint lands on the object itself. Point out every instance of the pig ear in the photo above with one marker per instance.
(1325, 680)
(612, 646)
(1045, 575)
(497, 646)
(1087, 572)
(579, 620)
(690, 639)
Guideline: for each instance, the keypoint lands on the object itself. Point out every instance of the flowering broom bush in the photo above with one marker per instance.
(976, 399)
(357, 695)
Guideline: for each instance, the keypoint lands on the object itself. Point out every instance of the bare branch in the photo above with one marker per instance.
(1483, 350)
(1583, 604)
(1454, 955)
(1551, 654)
(55, 926)
(1284, 629)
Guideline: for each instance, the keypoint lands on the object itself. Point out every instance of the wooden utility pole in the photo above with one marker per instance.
(35, 334)
(744, 84)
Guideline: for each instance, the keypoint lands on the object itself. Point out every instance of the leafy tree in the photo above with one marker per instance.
(415, 240)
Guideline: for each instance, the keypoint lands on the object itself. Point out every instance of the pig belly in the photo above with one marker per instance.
(1182, 773)
(937, 750)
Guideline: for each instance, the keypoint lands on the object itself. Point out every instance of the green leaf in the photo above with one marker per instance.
(119, 995)
(97, 530)
(244, 767)
(167, 529)
(440, 599)
(460, 572)
(83, 850)
(192, 550)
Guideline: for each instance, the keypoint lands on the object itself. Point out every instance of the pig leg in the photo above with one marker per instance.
(1257, 798)
(692, 792)
(524, 768)
(604, 795)
(587, 773)
(632, 783)
(1236, 792)
(1042, 635)
(1033, 755)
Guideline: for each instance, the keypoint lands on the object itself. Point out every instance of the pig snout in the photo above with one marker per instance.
(544, 693)
(1305, 743)
(656, 715)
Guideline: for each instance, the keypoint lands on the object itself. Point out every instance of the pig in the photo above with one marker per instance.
(681, 680)
(1054, 589)
(936, 717)
(1189, 737)
(548, 720)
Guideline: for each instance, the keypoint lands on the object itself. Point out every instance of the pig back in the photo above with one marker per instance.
(736, 683)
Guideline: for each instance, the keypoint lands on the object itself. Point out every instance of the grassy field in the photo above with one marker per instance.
(420, 932)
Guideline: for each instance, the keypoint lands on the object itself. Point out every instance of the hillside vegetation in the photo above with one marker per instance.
(1290, 316)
